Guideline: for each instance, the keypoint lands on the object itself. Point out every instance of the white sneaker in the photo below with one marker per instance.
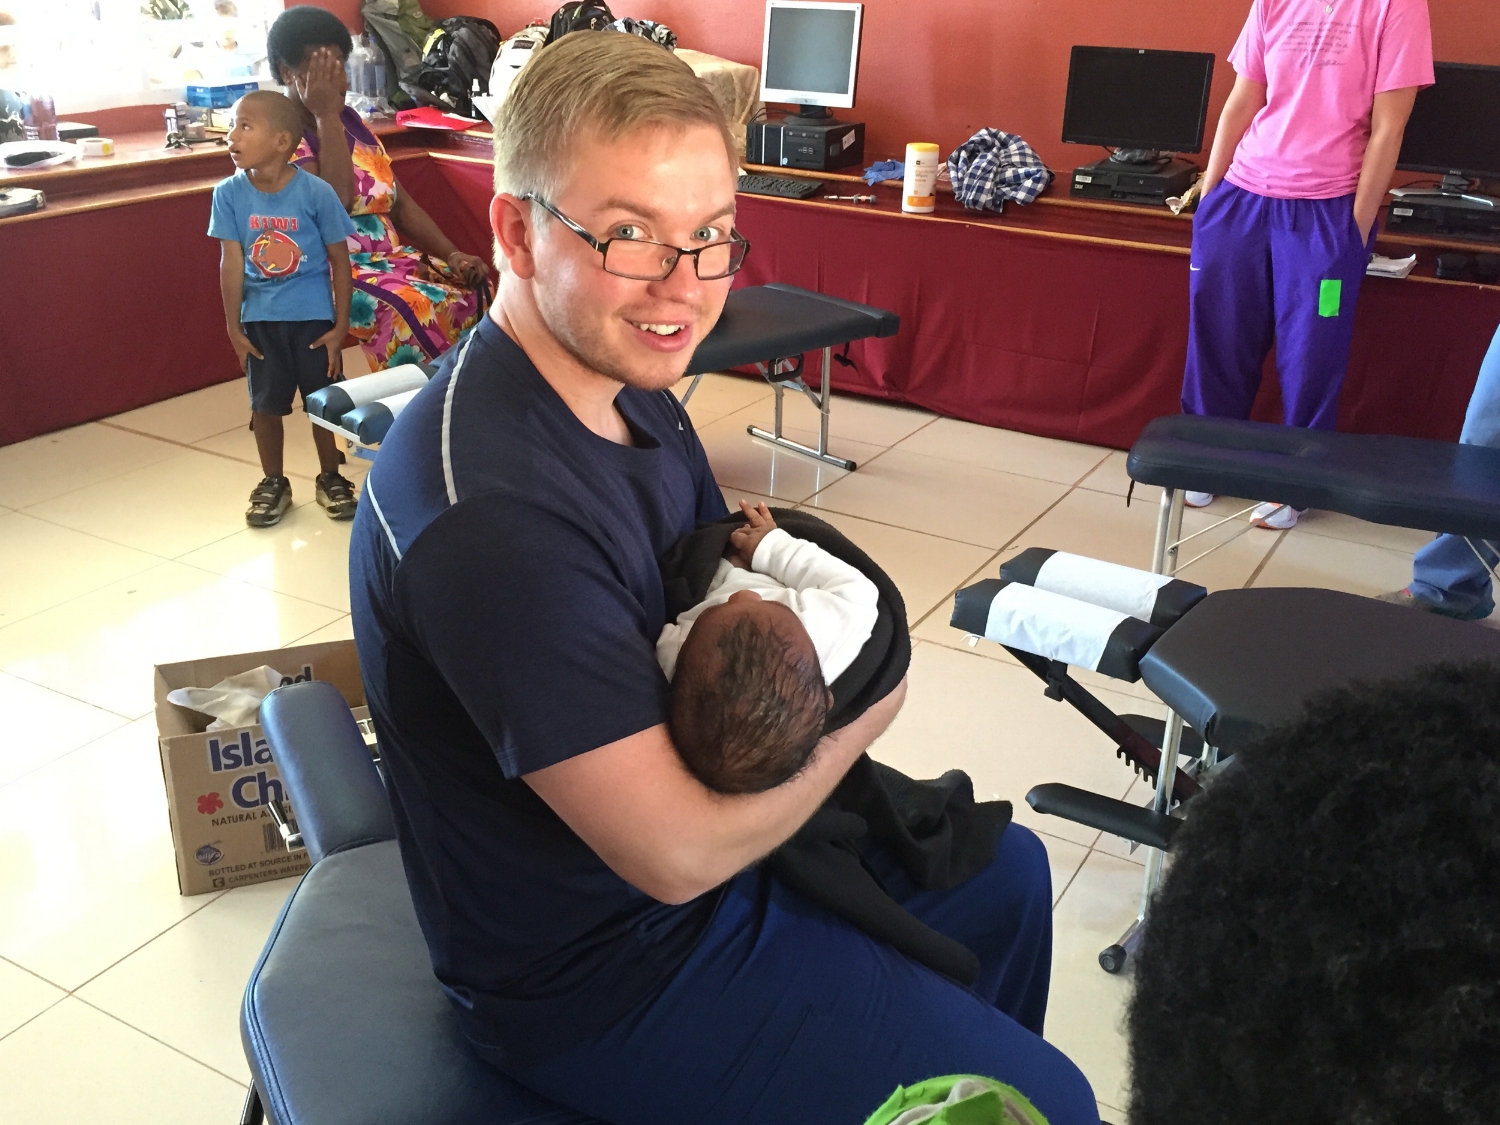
(1276, 517)
(1198, 499)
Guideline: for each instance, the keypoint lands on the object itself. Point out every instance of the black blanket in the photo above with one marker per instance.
(936, 830)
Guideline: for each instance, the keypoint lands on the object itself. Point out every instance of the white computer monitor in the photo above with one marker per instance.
(811, 54)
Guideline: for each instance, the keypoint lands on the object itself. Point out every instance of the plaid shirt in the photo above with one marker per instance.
(991, 167)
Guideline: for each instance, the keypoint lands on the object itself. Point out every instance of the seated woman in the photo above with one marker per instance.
(413, 296)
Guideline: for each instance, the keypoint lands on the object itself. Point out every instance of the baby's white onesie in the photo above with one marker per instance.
(836, 604)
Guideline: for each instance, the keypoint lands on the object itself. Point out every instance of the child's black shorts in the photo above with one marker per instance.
(290, 364)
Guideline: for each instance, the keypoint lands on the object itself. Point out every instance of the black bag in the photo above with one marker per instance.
(459, 52)
(579, 15)
(398, 26)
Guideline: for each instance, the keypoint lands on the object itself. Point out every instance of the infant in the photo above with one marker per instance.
(750, 665)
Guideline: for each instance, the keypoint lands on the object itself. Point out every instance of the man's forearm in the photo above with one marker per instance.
(657, 827)
(1245, 100)
(1375, 179)
(1233, 122)
(1388, 117)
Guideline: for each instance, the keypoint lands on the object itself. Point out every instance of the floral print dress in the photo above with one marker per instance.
(406, 307)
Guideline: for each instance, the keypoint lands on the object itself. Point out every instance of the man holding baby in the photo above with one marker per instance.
(594, 910)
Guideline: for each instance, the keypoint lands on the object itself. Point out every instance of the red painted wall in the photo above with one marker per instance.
(939, 70)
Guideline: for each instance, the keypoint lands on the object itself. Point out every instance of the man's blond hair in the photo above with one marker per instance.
(604, 82)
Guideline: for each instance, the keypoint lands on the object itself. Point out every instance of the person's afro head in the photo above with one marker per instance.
(1326, 945)
(301, 29)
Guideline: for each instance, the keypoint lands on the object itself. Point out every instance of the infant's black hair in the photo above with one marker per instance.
(748, 705)
(1326, 945)
(301, 29)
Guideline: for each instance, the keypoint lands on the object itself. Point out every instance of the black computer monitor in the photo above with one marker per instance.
(1133, 99)
(1455, 126)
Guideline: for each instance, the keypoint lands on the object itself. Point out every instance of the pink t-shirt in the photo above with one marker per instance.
(1322, 62)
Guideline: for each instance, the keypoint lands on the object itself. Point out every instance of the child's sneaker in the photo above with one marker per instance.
(269, 502)
(1198, 499)
(336, 495)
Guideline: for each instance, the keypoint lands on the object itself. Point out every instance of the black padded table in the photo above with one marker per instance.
(1243, 661)
(1430, 485)
(767, 324)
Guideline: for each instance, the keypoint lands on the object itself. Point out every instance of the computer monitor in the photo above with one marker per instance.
(810, 56)
(1138, 101)
(1454, 128)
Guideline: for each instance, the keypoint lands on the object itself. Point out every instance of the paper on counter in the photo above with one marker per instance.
(1381, 266)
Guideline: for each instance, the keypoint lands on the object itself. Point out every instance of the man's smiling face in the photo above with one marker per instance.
(673, 186)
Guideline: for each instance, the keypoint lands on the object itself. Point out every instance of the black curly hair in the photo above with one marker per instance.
(298, 30)
(1326, 945)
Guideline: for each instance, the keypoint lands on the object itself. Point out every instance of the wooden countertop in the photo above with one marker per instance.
(142, 169)
(1053, 214)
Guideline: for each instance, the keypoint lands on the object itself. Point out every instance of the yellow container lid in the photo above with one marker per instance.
(923, 146)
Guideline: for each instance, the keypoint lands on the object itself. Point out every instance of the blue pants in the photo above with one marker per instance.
(1447, 571)
(786, 1014)
(1265, 270)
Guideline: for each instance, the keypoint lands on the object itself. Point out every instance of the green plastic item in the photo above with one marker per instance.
(1330, 296)
(957, 1099)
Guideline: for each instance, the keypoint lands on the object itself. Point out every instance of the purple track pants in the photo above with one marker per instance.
(1266, 270)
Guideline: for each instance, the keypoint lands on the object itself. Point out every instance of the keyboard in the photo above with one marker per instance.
(782, 186)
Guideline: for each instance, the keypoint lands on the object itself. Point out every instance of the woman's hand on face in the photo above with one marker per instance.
(469, 268)
(322, 83)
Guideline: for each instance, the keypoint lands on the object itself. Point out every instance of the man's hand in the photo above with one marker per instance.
(322, 83)
(468, 268)
(744, 540)
(333, 340)
(243, 348)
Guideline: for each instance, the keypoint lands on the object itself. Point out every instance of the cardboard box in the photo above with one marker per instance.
(220, 782)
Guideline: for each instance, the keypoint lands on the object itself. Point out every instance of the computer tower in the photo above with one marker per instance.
(1444, 217)
(1132, 183)
(819, 147)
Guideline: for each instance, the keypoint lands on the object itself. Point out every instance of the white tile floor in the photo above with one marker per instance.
(122, 544)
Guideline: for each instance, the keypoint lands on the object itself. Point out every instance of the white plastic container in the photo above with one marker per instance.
(919, 186)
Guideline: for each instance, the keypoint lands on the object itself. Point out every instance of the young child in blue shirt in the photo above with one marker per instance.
(280, 231)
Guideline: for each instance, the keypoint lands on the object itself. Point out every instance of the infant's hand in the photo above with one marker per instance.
(744, 540)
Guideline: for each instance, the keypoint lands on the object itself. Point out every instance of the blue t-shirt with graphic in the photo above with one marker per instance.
(284, 235)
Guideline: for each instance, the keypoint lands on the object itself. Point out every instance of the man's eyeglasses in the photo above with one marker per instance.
(655, 261)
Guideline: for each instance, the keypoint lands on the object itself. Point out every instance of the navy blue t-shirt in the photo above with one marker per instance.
(507, 600)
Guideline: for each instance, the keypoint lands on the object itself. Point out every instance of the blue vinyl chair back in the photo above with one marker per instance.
(343, 1021)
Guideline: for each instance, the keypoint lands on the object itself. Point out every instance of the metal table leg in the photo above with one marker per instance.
(1168, 532)
(1114, 959)
(822, 400)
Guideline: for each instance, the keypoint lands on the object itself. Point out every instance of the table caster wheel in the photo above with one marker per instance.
(1112, 960)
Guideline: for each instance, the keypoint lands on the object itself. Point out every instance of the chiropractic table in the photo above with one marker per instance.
(1232, 664)
(769, 326)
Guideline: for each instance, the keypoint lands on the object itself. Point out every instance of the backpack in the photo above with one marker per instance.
(458, 53)
(579, 15)
(397, 26)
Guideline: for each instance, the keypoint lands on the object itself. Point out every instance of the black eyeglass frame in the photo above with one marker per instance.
(677, 251)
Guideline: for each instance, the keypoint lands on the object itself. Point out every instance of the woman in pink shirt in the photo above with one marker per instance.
(1300, 164)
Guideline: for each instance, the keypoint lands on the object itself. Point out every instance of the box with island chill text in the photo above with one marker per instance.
(219, 783)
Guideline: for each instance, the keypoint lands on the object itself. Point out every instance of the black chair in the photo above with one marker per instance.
(343, 1021)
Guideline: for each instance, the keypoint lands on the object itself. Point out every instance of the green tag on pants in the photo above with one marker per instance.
(1330, 294)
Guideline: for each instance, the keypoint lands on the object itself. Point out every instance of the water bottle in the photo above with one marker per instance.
(377, 73)
(358, 67)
